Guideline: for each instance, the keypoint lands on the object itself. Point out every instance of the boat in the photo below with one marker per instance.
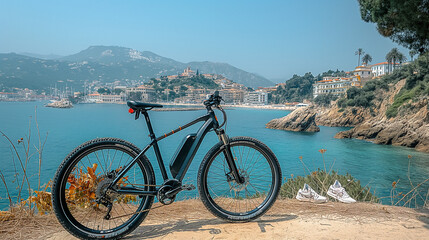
(63, 103)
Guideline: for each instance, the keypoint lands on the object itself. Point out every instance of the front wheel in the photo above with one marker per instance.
(230, 200)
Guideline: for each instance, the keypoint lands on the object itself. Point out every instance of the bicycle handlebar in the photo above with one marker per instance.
(213, 99)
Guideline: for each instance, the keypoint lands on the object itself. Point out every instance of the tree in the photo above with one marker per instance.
(325, 99)
(405, 22)
(393, 57)
(359, 52)
(412, 54)
(103, 91)
(366, 59)
(401, 57)
(117, 91)
(135, 96)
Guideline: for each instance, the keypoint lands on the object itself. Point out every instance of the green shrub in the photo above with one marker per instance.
(403, 96)
(342, 103)
(325, 99)
(320, 181)
(350, 102)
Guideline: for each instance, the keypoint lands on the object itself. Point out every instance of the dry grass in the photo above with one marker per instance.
(24, 224)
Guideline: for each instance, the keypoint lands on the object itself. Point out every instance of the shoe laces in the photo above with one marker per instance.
(311, 192)
(343, 193)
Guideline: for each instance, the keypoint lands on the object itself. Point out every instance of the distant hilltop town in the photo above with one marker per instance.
(187, 87)
(338, 85)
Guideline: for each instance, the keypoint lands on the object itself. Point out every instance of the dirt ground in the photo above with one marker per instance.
(288, 219)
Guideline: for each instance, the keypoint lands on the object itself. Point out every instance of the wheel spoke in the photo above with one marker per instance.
(232, 198)
(88, 180)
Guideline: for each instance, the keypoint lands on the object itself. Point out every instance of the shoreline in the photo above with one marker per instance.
(198, 106)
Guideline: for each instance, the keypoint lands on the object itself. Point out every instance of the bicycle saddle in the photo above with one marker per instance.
(142, 106)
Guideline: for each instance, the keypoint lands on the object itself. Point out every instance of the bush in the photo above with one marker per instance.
(403, 96)
(361, 97)
(320, 181)
(342, 103)
(325, 99)
(350, 102)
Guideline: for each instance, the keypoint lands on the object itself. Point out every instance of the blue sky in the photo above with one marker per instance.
(275, 39)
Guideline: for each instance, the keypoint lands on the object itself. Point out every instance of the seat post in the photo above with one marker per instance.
(155, 146)
(149, 125)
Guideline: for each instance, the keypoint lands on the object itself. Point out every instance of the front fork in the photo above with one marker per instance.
(229, 157)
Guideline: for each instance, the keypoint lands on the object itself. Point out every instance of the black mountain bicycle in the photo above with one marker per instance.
(105, 187)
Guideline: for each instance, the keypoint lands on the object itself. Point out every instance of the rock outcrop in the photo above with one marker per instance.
(409, 128)
(300, 120)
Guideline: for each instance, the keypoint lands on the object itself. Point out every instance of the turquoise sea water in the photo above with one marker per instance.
(375, 165)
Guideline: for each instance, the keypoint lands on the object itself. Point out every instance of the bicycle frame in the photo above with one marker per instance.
(210, 122)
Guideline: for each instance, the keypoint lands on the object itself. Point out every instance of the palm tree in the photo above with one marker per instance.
(393, 57)
(366, 59)
(401, 58)
(412, 54)
(359, 52)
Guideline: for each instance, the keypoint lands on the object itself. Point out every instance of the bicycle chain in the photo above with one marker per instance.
(142, 211)
(146, 210)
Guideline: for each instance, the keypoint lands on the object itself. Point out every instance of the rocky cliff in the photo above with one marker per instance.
(409, 128)
(300, 120)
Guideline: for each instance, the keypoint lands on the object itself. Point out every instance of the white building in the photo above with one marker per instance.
(100, 98)
(335, 85)
(258, 97)
(383, 68)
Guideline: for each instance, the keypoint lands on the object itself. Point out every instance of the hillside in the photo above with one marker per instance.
(392, 110)
(298, 88)
(106, 64)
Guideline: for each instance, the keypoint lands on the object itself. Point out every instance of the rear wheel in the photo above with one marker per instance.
(81, 199)
(230, 200)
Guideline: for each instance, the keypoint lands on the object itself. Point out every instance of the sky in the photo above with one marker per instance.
(274, 39)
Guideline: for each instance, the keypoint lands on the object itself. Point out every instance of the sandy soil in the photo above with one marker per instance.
(288, 219)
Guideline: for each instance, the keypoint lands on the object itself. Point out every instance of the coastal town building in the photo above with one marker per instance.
(232, 96)
(147, 94)
(337, 86)
(188, 73)
(20, 94)
(269, 89)
(258, 97)
(196, 95)
(364, 72)
(10, 96)
(105, 98)
(383, 68)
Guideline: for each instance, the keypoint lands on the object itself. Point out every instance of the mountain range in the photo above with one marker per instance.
(107, 64)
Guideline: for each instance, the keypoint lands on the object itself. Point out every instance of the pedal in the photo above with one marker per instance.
(188, 187)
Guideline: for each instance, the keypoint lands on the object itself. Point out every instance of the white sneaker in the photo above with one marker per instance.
(307, 194)
(339, 193)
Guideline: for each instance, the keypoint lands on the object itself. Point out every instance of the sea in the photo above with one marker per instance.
(61, 130)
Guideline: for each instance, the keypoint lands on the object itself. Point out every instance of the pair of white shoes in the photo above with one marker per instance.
(335, 191)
